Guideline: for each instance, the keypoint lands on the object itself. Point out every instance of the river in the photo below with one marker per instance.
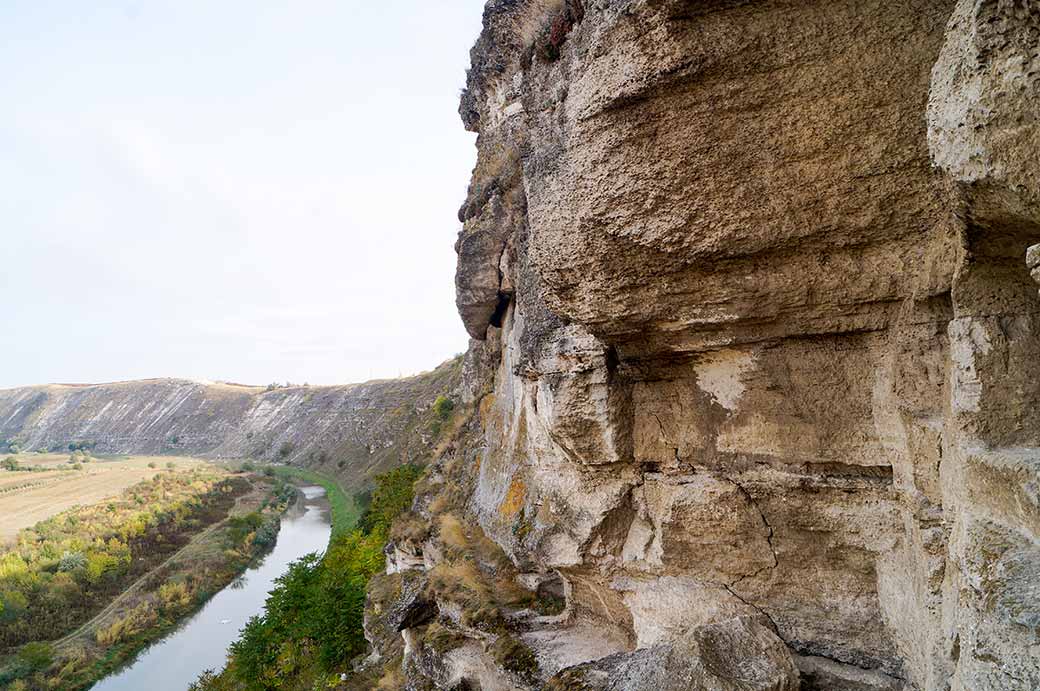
(201, 642)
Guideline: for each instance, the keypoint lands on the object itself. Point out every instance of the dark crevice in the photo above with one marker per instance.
(500, 310)
(772, 624)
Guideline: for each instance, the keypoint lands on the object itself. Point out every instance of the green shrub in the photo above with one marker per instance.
(71, 561)
(36, 655)
(241, 527)
(266, 534)
(443, 407)
(12, 605)
(392, 495)
(9, 463)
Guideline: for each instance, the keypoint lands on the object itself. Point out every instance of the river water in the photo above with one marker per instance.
(201, 642)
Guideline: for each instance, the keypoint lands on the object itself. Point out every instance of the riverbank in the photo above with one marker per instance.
(202, 642)
(312, 626)
(159, 600)
(345, 509)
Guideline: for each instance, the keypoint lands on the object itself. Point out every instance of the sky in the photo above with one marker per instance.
(242, 190)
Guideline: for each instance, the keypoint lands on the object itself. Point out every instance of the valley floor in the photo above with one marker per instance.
(55, 485)
(212, 527)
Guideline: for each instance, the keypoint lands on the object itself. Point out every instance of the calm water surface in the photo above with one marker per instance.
(201, 643)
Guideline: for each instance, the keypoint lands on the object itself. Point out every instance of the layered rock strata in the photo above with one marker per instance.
(749, 283)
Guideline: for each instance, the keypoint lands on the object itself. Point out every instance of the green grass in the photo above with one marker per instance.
(345, 511)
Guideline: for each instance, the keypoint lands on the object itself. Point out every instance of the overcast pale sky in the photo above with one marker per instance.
(243, 190)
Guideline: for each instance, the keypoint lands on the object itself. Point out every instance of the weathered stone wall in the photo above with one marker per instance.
(750, 281)
(351, 431)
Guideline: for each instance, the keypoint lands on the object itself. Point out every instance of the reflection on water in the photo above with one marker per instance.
(201, 643)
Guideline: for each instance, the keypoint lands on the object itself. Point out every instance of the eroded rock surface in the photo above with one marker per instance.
(751, 283)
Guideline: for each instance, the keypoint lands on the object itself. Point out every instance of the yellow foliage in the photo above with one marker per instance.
(124, 628)
(175, 595)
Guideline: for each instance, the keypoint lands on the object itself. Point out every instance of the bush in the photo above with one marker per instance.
(170, 465)
(124, 628)
(174, 596)
(514, 656)
(9, 463)
(12, 605)
(247, 467)
(266, 534)
(36, 656)
(392, 495)
(443, 407)
(70, 561)
(153, 464)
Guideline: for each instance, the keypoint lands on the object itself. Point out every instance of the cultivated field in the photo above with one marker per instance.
(26, 498)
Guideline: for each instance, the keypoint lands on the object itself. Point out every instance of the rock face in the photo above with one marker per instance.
(351, 431)
(750, 287)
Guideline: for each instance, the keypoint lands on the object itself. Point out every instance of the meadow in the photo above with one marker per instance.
(48, 484)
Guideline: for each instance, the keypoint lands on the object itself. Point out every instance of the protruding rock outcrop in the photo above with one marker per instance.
(762, 354)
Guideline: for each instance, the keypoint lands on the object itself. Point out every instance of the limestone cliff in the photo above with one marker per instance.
(749, 283)
(351, 431)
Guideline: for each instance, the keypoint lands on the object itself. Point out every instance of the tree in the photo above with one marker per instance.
(14, 604)
(36, 655)
(392, 495)
(442, 411)
(443, 407)
(10, 463)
